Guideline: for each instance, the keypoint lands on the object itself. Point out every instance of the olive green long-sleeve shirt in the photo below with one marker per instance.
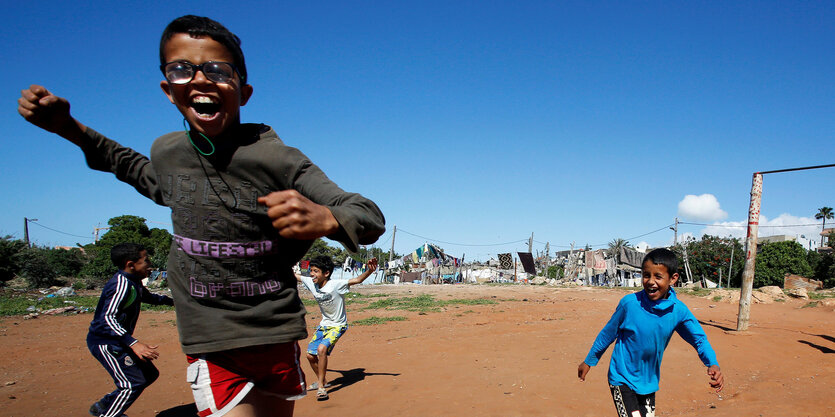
(229, 271)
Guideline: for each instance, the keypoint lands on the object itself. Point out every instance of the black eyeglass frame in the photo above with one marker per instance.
(195, 68)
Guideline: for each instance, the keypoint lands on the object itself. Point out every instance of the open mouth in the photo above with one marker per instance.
(205, 107)
(651, 290)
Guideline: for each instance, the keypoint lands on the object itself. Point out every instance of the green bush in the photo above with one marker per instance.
(777, 259)
(36, 269)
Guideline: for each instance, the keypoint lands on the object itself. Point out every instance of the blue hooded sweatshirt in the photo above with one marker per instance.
(643, 329)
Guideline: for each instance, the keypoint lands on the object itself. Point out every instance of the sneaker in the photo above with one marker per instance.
(96, 409)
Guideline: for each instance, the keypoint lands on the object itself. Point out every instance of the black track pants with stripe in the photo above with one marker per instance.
(130, 374)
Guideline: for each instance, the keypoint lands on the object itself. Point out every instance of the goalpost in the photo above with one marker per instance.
(751, 244)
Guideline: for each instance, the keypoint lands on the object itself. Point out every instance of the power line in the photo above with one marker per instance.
(744, 226)
(63, 233)
(83, 237)
(606, 244)
(601, 244)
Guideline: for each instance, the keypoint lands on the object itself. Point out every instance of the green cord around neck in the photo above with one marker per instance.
(185, 125)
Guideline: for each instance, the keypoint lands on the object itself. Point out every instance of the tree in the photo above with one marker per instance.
(35, 268)
(823, 267)
(126, 228)
(710, 255)
(10, 249)
(160, 242)
(555, 271)
(321, 248)
(615, 246)
(777, 259)
(823, 214)
(66, 262)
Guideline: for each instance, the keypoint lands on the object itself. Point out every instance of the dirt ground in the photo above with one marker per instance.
(515, 358)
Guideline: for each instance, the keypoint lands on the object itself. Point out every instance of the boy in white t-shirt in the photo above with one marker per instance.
(329, 293)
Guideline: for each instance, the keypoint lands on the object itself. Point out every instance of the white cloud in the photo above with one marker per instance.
(701, 207)
(784, 224)
(642, 246)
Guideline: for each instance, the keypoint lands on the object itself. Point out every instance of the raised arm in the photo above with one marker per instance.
(370, 268)
(51, 113)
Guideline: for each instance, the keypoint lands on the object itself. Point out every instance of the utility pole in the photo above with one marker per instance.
(576, 264)
(675, 233)
(391, 252)
(547, 258)
(731, 266)
(26, 230)
(530, 244)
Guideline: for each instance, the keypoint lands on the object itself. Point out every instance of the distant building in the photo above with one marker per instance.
(808, 244)
(824, 236)
(69, 248)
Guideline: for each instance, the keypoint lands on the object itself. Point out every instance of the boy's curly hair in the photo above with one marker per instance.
(324, 263)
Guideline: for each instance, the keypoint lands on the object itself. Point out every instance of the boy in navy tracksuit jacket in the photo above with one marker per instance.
(641, 328)
(110, 338)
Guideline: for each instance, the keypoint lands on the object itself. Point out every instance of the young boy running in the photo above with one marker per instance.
(245, 208)
(641, 328)
(329, 293)
(110, 338)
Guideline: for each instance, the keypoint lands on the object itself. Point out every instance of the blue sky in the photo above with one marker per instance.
(471, 124)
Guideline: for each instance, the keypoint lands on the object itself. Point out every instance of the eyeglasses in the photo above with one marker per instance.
(182, 72)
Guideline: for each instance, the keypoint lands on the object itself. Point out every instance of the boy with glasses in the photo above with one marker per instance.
(245, 209)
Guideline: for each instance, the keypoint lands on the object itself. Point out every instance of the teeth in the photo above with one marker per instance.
(202, 99)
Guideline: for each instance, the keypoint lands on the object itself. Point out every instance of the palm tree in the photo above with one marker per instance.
(614, 248)
(824, 213)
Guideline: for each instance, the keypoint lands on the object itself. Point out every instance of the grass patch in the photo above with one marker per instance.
(375, 320)
(717, 298)
(696, 292)
(470, 301)
(812, 304)
(16, 305)
(815, 295)
(424, 303)
(350, 298)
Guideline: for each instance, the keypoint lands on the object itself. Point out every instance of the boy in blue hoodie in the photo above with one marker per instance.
(110, 338)
(641, 328)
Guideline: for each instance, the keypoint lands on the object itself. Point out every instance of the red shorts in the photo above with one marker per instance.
(220, 380)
